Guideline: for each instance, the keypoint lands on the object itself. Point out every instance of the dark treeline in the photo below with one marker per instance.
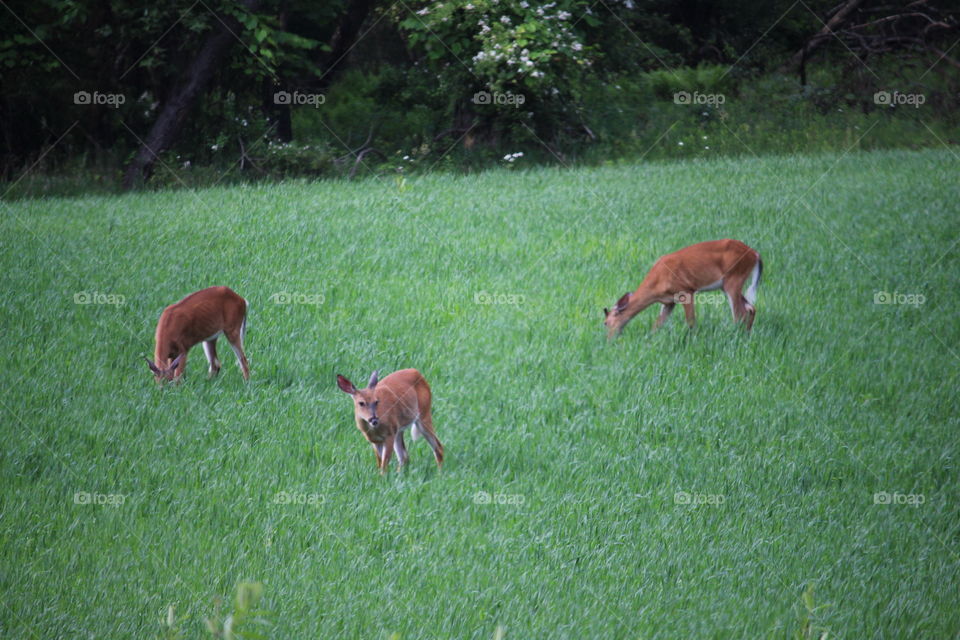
(291, 86)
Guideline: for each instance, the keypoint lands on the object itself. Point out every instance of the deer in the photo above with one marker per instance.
(676, 277)
(202, 316)
(387, 408)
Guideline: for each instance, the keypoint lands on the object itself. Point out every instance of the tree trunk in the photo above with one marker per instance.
(344, 38)
(184, 97)
(801, 57)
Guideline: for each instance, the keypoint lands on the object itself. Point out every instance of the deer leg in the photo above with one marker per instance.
(236, 343)
(688, 310)
(664, 314)
(181, 367)
(400, 449)
(739, 308)
(386, 450)
(210, 349)
(425, 426)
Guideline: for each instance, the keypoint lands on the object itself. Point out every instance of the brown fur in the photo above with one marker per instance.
(192, 320)
(386, 406)
(677, 276)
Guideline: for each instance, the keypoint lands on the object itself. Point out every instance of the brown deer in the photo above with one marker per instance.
(387, 408)
(200, 317)
(676, 277)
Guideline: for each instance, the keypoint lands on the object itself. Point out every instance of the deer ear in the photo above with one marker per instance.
(622, 302)
(345, 385)
(152, 366)
(373, 379)
(606, 312)
(176, 361)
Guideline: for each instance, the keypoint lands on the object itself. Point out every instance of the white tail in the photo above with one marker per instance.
(200, 317)
(755, 275)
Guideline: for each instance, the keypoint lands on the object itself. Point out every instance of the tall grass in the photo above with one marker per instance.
(676, 484)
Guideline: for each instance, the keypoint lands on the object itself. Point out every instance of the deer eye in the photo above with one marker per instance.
(361, 403)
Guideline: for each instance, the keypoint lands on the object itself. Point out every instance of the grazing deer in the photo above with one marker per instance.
(387, 408)
(676, 277)
(200, 317)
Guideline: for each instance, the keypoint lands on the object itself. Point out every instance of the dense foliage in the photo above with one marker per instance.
(318, 88)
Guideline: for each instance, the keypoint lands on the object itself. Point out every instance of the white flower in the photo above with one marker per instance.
(576, 46)
(423, 12)
(564, 15)
(680, 143)
(505, 19)
(214, 147)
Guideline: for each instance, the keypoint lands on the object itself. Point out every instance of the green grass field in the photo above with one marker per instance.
(818, 454)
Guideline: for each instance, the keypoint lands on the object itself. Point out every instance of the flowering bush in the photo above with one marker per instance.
(505, 45)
